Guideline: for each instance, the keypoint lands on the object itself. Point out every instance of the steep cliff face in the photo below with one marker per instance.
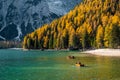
(19, 17)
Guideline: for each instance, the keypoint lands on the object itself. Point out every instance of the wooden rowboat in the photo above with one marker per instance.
(79, 65)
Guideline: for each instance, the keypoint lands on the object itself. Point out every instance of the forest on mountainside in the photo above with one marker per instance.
(10, 44)
(91, 24)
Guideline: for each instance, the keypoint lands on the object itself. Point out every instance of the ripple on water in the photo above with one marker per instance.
(53, 65)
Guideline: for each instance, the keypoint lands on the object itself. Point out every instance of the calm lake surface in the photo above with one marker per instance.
(53, 65)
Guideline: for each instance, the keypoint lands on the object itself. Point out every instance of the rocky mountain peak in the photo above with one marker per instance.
(19, 17)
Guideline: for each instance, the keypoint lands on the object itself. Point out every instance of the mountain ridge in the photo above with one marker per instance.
(24, 16)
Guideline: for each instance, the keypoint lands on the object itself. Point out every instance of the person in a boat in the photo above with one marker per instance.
(78, 62)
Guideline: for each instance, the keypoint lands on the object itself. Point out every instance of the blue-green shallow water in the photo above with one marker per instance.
(53, 65)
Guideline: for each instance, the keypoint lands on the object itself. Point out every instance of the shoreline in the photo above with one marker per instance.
(104, 52)
(99, 52)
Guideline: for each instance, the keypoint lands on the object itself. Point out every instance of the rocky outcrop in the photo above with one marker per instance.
(19, 17)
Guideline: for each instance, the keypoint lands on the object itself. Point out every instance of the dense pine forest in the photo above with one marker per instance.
(10, 44)
(91, 24)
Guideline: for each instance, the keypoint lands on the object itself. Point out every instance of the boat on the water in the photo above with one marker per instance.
(79, 64)
(70, 57)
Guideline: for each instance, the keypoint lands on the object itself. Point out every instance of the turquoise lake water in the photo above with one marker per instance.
(53, 65)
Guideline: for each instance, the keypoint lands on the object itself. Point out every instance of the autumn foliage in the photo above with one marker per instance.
(91, 24)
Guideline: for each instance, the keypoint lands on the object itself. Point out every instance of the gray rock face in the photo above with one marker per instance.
(19, 17)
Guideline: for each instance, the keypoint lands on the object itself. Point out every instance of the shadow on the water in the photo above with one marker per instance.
(86, 66)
